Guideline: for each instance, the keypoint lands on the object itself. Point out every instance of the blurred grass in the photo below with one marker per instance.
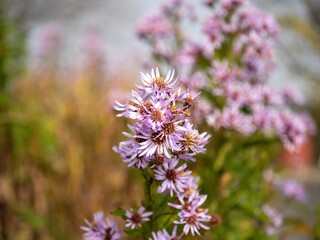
(62, 166)
(57, 129)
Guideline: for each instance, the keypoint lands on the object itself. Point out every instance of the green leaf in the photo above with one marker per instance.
(30, 216)
(132, 231)
(119, 212)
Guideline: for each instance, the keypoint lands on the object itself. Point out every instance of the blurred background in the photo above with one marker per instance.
(62, 64)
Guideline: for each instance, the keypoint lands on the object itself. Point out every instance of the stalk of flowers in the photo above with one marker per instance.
(162, 30)
(232, 66)
(161, 143)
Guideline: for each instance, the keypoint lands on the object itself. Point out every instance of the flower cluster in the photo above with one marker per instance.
(161, 137)
(191, 214)
(232, 64)
(275, 220)
(162, 133)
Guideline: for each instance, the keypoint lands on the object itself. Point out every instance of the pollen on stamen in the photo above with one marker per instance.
(186, 207)
(168, 128)
(156, 115)
(171, 174)
(145, 108)
(158, 160)
(192, 220)
(159, 81)
(136, 218)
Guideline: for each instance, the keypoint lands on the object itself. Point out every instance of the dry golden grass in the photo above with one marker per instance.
(63, 167)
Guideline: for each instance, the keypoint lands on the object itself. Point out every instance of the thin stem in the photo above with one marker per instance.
(148, 201)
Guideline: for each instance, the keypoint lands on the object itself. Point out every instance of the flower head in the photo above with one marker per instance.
(102, 228)
(164, 235)
(136, 218)
(174, 179)
(275, 220)
(293, 189)
(193, 219)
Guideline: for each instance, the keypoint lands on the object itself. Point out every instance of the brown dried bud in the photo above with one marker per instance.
(215, 219)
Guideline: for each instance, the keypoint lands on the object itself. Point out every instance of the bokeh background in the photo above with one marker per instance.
(62, 64)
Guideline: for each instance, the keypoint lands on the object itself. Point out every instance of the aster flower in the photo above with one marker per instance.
(292, 189)
(229, 5)
(190, 187)
(136, 218)
(154, 82)
(155, 26)
(290, 128)
(192, 142)
(174, 179)
(186, 204)
(129, 150)
(164, 235)
(102, 228)
(275, 220)
(291, 95)
(193, 220)
(166, 140)
(212, 28)
(134, 107)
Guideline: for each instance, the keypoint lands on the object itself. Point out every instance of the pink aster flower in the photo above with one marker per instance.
(212, 28)
(275, 220)
(101, 228)
(154, 82)
(173, 179)
(186, 204)
(164, 235)
(136, 218)
(154, 26)
(293, 189)
(291, 95)
(193, 220)
(229, 5)
(290, 128)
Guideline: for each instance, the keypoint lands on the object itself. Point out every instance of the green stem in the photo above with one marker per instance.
(148, 202)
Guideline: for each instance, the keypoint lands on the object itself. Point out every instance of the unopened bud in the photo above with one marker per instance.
(215, 219)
